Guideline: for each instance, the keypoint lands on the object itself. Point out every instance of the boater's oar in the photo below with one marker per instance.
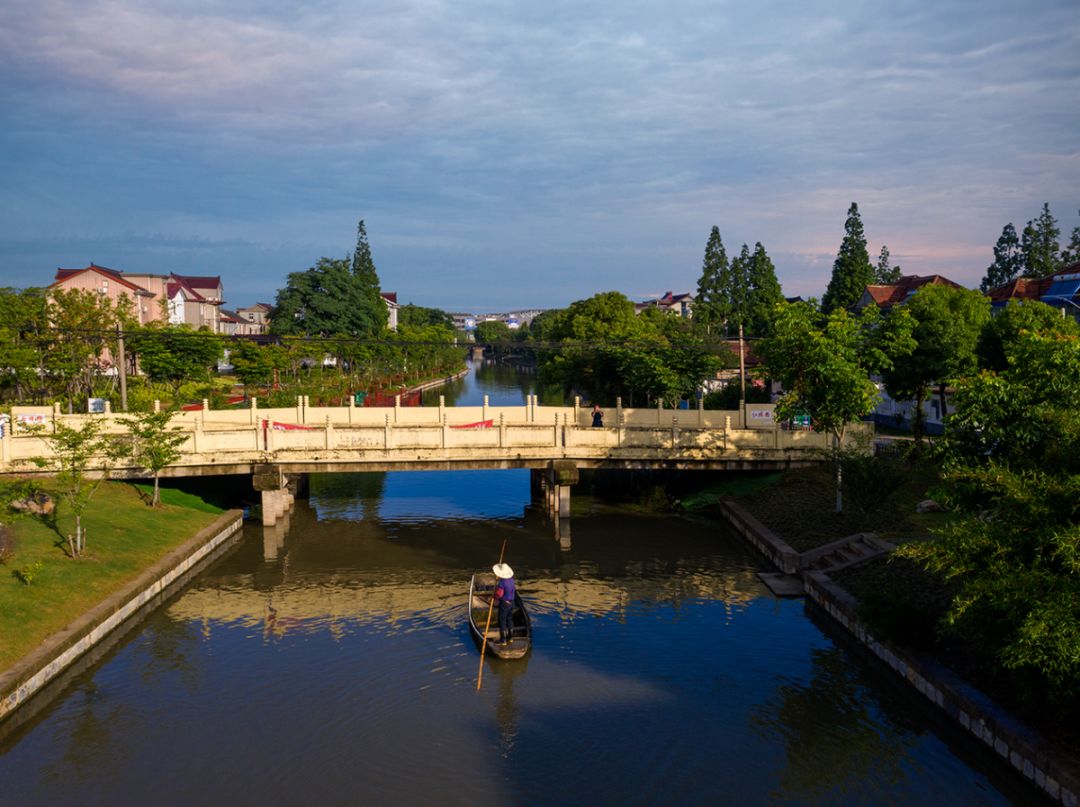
(487, 627)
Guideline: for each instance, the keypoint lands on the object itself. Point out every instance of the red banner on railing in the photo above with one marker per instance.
(480, 424)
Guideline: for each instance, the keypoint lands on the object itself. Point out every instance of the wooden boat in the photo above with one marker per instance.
(481, 589)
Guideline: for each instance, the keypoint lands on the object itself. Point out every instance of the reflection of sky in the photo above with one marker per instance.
(436, 495)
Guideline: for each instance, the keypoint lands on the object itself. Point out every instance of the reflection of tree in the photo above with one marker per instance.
(831, 736)
(363, 489)
(167, 641)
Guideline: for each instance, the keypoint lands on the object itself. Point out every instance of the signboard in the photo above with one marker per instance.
(95, 406)
(759, 416)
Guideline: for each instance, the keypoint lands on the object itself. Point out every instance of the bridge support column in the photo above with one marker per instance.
(277, 499)
(561, 475)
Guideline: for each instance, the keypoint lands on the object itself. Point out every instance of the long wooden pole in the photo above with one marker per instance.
(487, 627)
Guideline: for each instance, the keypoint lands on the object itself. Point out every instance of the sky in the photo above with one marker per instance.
(509, 155)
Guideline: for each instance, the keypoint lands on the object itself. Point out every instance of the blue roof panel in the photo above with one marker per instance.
(1062, 290)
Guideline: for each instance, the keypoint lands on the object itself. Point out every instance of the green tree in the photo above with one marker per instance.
(492, 332)
(76, 452)
(420, 316)
(327, 300)
(155, 444)
(852, 271)
(22, 326)
(1039, 245)
(738, 291)
(764, 292)
(1011, 460)
(255, 364)
(824, 364)
(82, 327)
(712, 306)
(884, 274)
(367, 279)
(1005, 327)
(173, 354)
(1008, 260)
(949, 324)
(1071, 253)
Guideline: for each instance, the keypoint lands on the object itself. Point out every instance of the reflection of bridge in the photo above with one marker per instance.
(273, 444)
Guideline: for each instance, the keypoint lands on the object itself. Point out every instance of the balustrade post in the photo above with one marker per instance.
(329, 443)
(484, 410)
(386, 434)
(555, 434)
(727, 428)
(619, 422)
(253, 412)
(701, 411)
(205, 405)
(352, 408)
(445, 430)
(577, 406)
(299, 408)
(660, 412)
(442, 408)
(195, 434)
(157, 406)
(108, 407)
(397, 407)
(502, 429)
(674, 430)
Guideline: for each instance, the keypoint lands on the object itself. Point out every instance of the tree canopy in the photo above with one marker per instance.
(1007, 260)
(852, 271)
(712, 306)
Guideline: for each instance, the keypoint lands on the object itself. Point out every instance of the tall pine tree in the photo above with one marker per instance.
(885, 275)
(765, 293)
(852, 271)
(1071, 253)
(1039, 245)
(1007, 260)
(738, 291)
(711, 306)
(363, 269)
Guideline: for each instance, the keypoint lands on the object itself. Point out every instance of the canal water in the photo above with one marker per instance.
(332, 665)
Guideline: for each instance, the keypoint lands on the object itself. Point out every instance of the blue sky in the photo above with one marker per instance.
(508, 155)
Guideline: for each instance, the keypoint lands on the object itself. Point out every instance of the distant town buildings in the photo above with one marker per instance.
(681, 305)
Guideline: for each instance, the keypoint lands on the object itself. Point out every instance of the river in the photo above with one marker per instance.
(341, 671)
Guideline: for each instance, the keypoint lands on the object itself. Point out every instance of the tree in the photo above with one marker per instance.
(738, 291)
(1039, 245)
(419, 316)
(1011, 459)
(949, 324)
(173, 354)
(1071, 253)
(1004, 329)
(76, 452)
(712, 306)
(824, 364)
(363, 269)
(255, 364)
(22, 325)
(884, 274)
(492, 332)
(764, 293)
(1007, 260)
(155, 444)
(333, 298)
(852, 271)
(82, 327)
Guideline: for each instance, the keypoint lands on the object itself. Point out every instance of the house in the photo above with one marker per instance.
(112, 284)
(886, 296)
(681, 305)
(179, 299)
(390, 298)
(1060, 290)
(232, 324)
(258, 315)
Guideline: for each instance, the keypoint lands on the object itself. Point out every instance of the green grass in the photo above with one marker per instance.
(738, 485)
(124, 537)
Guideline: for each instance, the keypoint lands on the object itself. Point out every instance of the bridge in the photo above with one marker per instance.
(276, 446)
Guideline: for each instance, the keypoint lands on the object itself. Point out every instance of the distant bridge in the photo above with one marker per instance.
(274, 444)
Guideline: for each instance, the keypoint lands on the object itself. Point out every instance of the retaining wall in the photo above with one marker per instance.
(67, 647)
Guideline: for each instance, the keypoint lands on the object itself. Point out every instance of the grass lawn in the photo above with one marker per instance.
(124, 537)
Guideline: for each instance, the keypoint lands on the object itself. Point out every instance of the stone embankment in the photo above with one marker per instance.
(44, 671)
(1054, 773)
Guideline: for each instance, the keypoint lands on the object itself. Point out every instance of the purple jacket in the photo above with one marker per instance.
(506, 585)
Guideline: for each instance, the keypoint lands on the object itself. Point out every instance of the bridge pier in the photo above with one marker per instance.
(277, 490)
(552, 486)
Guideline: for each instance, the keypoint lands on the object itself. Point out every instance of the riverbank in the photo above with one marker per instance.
(892, 608)
(49, 601)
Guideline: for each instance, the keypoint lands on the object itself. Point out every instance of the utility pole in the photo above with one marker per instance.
(742, 380)
(122, 366)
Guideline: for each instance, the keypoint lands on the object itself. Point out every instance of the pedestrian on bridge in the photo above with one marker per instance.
(597, 415)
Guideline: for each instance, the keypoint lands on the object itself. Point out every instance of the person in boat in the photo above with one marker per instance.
(505, 589)
(597, 415)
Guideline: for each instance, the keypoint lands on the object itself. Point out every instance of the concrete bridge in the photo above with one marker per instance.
(276, 445)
